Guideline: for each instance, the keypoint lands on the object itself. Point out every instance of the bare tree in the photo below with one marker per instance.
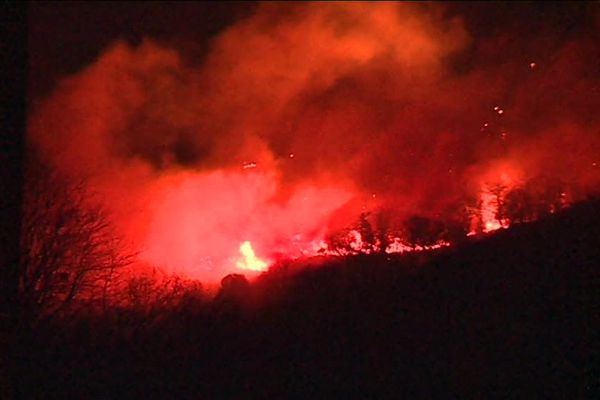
(367, 233)
(70, 254)
(498, 192)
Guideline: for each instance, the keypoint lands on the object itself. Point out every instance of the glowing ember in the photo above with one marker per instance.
(249, 261)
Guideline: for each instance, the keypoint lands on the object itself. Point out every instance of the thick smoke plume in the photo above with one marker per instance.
(303, 115)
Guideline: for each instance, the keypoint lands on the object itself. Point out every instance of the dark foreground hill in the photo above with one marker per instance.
(512, 315)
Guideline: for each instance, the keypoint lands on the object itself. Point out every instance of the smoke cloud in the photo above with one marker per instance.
(304, 112)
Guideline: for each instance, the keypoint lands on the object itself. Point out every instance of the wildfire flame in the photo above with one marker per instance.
(300, 117)
(489, 209)
(249, 260)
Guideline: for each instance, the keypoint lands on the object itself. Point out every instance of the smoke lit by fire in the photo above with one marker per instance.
(303, 116)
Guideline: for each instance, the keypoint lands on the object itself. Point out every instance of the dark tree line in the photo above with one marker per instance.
(424, 324)
(535, 199)
(72, 260)
(507, 316)
(378, 229)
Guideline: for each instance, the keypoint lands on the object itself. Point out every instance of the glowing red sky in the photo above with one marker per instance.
(294, 115)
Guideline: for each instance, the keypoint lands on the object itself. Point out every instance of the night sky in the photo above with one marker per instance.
(65, 36)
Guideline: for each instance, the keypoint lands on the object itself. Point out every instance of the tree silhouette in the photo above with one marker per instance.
(498, 192)
(517, 206)
(423, 231)
(154, 296)
(383, 229)
(547, 194)
(70, 256)
(340, 241)
(367, 233)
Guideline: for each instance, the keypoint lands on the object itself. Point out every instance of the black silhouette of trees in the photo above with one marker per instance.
(423, 231)
(340, 242)
(70, 256)
(538, 197)
(498, 192)
(517, 206)
(156, 296)
(376, 231)
(384, 229)
(458, 219)
(367, 233)
(156, 291)
(547, 194)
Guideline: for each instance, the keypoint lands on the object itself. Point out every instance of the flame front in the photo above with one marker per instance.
(249, 261)
(489, 210)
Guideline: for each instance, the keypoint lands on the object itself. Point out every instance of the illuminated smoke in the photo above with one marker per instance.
(303, 115)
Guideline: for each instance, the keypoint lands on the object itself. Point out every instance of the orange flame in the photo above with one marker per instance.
(249, 261)
(489, 209)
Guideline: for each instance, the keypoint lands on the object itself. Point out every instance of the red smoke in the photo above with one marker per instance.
(302, 115)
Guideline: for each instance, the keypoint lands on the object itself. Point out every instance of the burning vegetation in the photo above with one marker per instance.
(308, 199)
(323, 128)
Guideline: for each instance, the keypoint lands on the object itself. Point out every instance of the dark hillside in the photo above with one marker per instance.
(512, 315)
